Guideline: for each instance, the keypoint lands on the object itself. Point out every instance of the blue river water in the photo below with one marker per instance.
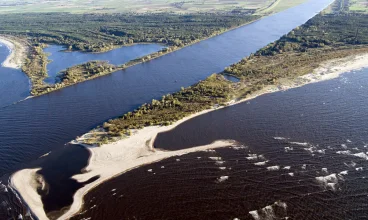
(61, 60)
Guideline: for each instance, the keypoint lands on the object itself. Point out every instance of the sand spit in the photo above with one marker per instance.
(109, 161)
(26, 182)
(113, 159)
(18, 52)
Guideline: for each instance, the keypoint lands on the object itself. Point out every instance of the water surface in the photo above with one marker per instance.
(302, 154)
(14, 85)
(61, 60)
(39, 125)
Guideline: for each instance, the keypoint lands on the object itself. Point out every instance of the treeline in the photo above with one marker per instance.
(102, 32)
(323, 38)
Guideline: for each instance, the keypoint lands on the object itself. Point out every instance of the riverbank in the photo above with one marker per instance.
(39, 87)
(113, 159)
(17, 52)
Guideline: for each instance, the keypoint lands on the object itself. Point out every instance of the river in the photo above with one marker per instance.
(302, 154)
(42, 124)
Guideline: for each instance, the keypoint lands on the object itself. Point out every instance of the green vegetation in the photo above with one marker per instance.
(103, 32)
(153, 6)
(324, 37)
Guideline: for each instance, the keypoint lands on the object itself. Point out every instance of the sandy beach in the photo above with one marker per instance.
(18, 52)
(116, 158)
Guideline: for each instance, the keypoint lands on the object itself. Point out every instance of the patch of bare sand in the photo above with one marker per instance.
(18, 51)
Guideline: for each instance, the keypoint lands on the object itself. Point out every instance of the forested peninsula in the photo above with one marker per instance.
(335, 33)
(103, 32)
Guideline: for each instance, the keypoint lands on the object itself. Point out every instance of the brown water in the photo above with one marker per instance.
(302, 154)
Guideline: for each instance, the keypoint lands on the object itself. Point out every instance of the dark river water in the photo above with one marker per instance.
(302, 154)
(39, 125)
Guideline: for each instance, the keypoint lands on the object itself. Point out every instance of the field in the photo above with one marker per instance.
(142, 6)
(359, 5)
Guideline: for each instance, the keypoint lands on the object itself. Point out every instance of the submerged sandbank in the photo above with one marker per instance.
(116, 158)
(18, 52)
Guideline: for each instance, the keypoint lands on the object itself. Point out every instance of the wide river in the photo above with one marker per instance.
(39, 125)
(302, 154)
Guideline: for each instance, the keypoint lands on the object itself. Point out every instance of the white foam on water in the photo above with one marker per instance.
(300, 143)
(149, 170)
(199, 158)
(347, 140)
(219, 162)
(113, 190)
(162, 167)
(351, 164)
(215, 158)
(177, 160)
(261, 163)
(344, 146)
(239, 147)
(310, 149)
(287, 149)
(345, 172)
(355, 148)
(345, 152)
(252, 157)
(322, 151)
(361, 155)
(286, 168)
(304, 166)
(222, 178)
(329, 181)
(291, 174)
(273, 168)
(280, 138)
(324, 170)
(359, 169)
(254, 214)
(267, 213)
(222, 168)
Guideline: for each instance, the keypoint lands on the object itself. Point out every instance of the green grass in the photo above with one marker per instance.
(359, 6)
(141, 6)
(280, 5)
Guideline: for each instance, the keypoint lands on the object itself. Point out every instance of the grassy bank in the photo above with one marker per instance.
(325, 37)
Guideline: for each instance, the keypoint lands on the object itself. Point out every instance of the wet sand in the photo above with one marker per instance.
(18, 52)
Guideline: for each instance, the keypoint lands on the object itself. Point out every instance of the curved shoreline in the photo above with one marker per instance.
(116, 158)
(17, 52)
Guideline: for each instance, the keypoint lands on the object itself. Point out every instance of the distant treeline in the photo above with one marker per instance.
(101, 32)
(323, 38)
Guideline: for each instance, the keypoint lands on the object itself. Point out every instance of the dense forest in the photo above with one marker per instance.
(325, 37)
(102, 32)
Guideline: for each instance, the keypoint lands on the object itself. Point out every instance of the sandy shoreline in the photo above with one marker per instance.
(17, 54)
(115, 158)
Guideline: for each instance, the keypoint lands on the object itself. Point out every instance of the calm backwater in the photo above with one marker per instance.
(61, 60)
